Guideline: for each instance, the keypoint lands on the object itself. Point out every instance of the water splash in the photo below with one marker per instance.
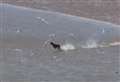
(94, 44)
(67, 47)
(18, 30)
(114, 44)
(71, 43)
(90, 44)
(17, 49)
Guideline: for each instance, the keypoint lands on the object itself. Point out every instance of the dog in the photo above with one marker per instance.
(56, 46)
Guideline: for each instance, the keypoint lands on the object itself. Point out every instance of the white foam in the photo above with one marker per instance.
(114, 44)
(67, 47)
(18, 30)
(90, 44)
(18, 50)
(96, 45)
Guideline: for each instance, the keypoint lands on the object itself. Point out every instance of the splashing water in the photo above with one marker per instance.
(114, 44)
(94, 44)
(72, 44)
(90, 44)
(67, 47)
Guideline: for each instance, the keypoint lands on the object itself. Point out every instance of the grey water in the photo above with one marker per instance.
(23, 57)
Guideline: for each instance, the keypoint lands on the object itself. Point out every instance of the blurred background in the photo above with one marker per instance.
(105, 10)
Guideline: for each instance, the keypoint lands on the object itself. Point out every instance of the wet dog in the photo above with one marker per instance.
(55, 46)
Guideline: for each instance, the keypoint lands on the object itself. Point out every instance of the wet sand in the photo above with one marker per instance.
(23, 57)
(105, 10)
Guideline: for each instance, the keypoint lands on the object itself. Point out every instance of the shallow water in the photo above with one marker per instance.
(24, 57)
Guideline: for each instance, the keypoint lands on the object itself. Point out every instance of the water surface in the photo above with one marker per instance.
(23, 56)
